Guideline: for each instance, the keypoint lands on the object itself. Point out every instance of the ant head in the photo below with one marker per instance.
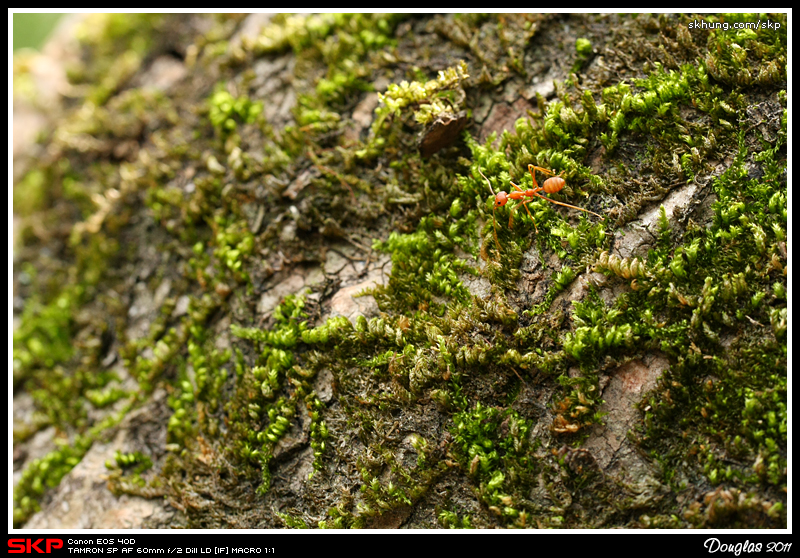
(500, 199)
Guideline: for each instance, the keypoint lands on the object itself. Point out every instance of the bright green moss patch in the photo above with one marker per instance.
(493, 449)
(227, 112)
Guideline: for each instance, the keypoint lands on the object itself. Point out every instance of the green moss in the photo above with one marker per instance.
(451, 520)
(492, 447)
(227, 112)
(31, 193)
(454, 399)
(44, 473)
(269, 414)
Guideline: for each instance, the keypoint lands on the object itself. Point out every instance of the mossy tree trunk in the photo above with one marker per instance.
(260, 279)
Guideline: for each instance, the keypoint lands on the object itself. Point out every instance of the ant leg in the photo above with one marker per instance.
(533, 168)
(546, 171)
(517, 187)
(494, 222)
(525, 205)
(568, 205)
(511, 216)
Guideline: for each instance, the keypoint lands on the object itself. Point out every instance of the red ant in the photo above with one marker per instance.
(550, 186)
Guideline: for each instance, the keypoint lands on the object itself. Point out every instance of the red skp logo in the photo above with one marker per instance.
(29, 546)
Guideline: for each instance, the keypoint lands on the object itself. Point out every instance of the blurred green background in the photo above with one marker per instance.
(31, 30)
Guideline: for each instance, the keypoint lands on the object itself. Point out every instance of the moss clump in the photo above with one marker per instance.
(493, 447)
(226, 112)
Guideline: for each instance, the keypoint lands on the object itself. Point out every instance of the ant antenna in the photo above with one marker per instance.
(494, 215)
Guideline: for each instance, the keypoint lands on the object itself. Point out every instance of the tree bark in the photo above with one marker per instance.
(259, 281)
